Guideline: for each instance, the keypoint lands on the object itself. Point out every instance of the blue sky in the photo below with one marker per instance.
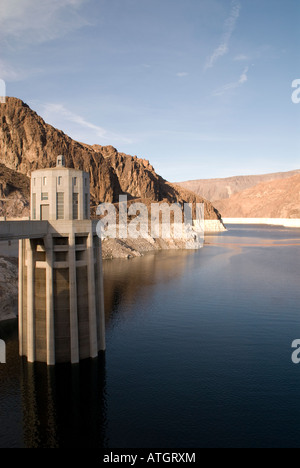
(201, 88)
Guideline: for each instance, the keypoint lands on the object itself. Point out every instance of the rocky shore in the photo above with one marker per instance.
(131, 248)
(8, 288)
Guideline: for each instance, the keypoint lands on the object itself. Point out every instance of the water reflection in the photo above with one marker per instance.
(10, 402)
(167, 382)
(127, 280)
(64, 406)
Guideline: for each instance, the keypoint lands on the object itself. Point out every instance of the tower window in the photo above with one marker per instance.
(86, 206)
(74, 181)
(59, 180)
(44, 195)
(75, 205)
(44, 180)
(60, 161)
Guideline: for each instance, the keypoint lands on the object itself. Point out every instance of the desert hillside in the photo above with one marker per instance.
(276, 199)
(221, 189)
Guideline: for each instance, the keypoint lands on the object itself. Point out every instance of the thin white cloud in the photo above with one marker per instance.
(182, 74)
(241, 58)
(234, 85)
(37, 21)
(59, 116)
(244, 76)
(11, 73)
(229, 27)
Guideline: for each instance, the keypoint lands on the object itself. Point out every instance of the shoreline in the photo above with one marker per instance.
(132, 248)
(284, 222)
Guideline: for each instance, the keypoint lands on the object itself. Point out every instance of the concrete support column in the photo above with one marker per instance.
(50, 332)
(100, 286)
(92, 297)
(73, 301)
(30, 303)
(20, 300)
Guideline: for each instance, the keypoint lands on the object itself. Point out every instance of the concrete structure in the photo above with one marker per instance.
(60, 194)
(61, 300)
(16, 229)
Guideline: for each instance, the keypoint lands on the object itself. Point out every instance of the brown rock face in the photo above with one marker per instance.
(8, 288)
(14, 193)
(276, 199)
(221, 189)
(27, 143)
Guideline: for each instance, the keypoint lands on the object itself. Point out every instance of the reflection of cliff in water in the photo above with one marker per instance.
(126, 280)
(64, 406)
(10, 401)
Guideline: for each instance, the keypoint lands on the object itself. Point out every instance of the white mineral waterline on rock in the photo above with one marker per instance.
(285, 222)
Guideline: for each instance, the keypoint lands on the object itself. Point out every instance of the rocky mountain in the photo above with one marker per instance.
(221, 189)
(28, 143)
(14, 193)
(275, 199)
(8, 288)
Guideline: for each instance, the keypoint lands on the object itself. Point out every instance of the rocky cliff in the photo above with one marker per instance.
(276, 199)
(28, 143)
(14, 193)
(8, 288)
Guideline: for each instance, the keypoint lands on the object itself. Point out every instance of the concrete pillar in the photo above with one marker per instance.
(73, 301)
(30, 304)
(100, 286)
(50, 332)
(20, 307)
(92, 297)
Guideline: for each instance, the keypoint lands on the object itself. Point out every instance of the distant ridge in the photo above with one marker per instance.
(275, 199)
(222, 189)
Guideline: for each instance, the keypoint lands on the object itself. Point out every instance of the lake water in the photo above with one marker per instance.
(198, 355)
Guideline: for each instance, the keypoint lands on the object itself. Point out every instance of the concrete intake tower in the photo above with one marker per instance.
(61, 298)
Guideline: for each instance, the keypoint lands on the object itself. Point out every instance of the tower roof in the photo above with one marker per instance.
(60, 161)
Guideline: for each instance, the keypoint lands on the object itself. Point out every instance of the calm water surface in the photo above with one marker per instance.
(198, 355)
